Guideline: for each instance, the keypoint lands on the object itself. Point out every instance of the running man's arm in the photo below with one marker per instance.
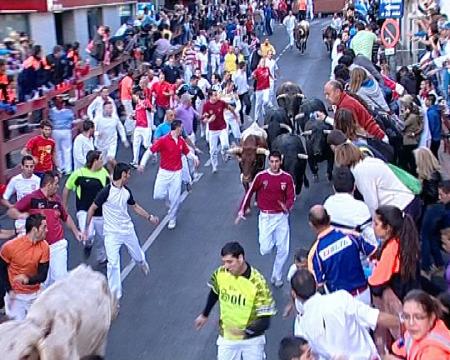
(212, 299)
(71, 225)
(121, 131)
(145, 214)
(9, 191)
(248, 196)
(92, 209)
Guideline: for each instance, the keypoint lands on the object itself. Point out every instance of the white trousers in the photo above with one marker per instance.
(96, 239)
(17, 305)
(215, 63)
(141, 137)
(310, 11)
(274, 231)
(248, 349)
(291, 37)
(214, 137)
(234, 127)
(63, 140)
(109, 151)
(113, 243)
(168, 187)
(58, 262)
(129, 122)
(271, 92)
(261, 100)
(186, 170)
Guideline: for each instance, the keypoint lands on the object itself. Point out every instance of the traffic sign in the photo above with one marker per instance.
(392, 9)
(390, 33)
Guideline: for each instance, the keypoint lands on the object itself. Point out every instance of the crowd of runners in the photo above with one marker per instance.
(368, 287)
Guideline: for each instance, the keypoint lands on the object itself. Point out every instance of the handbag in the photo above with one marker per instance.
(411, 182)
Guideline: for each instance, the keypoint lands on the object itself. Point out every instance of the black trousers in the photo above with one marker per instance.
(434, 147)
(245, 101)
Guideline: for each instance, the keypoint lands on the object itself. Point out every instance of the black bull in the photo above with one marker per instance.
(329, 36)
(294, 158)
(315, 134)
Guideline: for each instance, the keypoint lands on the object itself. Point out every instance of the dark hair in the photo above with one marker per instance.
(318, 217)
(92, 156)
(232, 248)
(444, 298)
(300, 255)
(119, 169)
(341, 72)
(33, 221)
(349, 52)
(303, 284)
(429, 304)
(345, 121)
(275, 153)
(343, 180)
(57, 49)
(360, 26)
(175, 124)
(432, 98)
(404, 228)
(345, 59)
(336, 137)
(290, 347)
(26, 158)
(445, 186)
(45, 123)
(49, 177)
(88, 125)
(107, 103)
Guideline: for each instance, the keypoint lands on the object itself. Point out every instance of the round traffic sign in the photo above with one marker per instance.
(390, 33)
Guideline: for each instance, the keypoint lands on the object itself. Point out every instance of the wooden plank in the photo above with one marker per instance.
(18, 142)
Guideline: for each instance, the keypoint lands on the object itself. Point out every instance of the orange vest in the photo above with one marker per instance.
(435, 345)
(302, 4)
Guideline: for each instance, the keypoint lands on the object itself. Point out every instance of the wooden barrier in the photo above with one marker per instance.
(25, 111)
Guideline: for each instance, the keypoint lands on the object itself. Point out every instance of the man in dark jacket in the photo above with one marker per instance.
(98, 50)
(56, 65)
(434, 123)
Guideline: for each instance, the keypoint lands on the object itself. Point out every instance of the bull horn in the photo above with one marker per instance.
(265, 127)
(302, 156)
(326, 132)
(234, 151)
(300, 116)
(300, 95)
(286, 127)
(281, 96)
(262, 151)
(306, 133)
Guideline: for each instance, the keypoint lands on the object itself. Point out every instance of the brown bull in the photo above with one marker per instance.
(251, 153)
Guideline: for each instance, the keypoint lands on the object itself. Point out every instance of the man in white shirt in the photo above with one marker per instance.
(83, 143)
(271, 63)
(241, 82)
(106, 127)
(96, 106)
(336, 325)
(345, 211)
(289, 22)
(21, 185)
(214, 51)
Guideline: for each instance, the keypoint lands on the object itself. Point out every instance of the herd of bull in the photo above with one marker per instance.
(294, 130)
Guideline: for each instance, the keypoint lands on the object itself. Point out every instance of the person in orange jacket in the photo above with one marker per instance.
(426, 336)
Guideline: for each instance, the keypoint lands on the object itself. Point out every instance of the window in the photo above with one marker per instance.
(13, 22)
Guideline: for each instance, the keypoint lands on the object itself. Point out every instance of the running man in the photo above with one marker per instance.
(275, 195)
(289, 22)
(262, 78)
(24, 263)
(246, 306)
(168, 181)
(118, 228)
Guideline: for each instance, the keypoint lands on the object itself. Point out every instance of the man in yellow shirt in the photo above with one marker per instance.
(246, 306)
(266, 46)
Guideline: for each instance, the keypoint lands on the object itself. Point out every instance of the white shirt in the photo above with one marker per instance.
(214, 47)
(240, 80)
(21, 186)
(347, 212)
(96, 107)
(379, 185)
(203, 59)
(106, 129)
(81, 146)
(289, 22)
(272, 65)
(337, 324)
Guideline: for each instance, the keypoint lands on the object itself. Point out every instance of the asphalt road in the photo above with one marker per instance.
(157, 312)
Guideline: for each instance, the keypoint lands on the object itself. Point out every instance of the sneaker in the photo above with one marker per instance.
(134, 165)
(188, 187)
(87, 250)
(214, 170)
(277, 283)
(144, 267)
(172, 224)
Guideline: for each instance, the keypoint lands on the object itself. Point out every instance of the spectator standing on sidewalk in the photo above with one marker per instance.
(434, 123)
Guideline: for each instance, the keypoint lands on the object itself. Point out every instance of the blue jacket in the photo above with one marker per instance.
(434, 122)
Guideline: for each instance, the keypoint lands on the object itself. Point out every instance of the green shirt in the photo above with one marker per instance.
(241, 300)
(87, 184)
(362, 43)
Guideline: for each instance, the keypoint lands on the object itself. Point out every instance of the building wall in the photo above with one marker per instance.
(42, 30)
(81, 33)
(111, 17)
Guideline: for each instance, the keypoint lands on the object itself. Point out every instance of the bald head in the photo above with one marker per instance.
(318, 217)
(333, 91)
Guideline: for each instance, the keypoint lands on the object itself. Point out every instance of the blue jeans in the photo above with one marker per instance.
(159, 115)
(431, 237)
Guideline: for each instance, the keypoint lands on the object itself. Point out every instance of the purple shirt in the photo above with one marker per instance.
(186, 115)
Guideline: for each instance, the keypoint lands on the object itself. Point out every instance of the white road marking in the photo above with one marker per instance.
(154, 235)
(281, 53)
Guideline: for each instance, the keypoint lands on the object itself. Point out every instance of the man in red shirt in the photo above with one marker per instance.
(275, 195)
(143, 131)
(262, 78)
(218, 130)
(126, 91)
(24, 263)
(335, 95)
(168, 181)
(47, 202)
(162, 91)
(42, 148)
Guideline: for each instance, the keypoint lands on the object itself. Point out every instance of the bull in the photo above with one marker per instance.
(276, 123)
(294, 158)
(315, 132)
(69, 320)
(329, 36)
(289, 98)
(251, 153)
(301, 34)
